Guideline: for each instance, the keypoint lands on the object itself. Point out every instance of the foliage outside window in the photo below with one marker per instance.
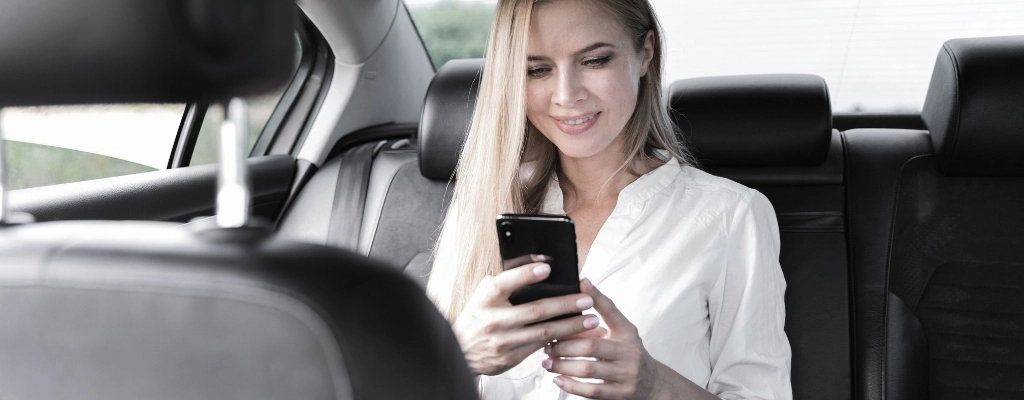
(453, 30)
(62, 144)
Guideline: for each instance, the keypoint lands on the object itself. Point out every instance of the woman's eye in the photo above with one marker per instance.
(597, 62)
(537, 71)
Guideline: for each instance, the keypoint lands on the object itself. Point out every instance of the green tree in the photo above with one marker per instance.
(452, 30)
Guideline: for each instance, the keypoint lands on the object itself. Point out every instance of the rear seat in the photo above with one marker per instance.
(408, 185)
(774, 133)
(931, 243)
(937, 242)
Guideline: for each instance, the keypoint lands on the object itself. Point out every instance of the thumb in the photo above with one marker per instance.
(613, 318)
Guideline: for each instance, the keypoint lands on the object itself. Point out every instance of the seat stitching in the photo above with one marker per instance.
(956, 102)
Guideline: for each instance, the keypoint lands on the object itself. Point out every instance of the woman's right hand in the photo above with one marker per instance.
(494, 334)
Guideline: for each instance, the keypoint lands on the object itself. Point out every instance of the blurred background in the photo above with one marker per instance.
(876, 55)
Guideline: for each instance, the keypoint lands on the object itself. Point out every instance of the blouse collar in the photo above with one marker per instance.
(640, 190)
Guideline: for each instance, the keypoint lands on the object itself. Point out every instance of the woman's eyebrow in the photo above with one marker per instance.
(592, 47)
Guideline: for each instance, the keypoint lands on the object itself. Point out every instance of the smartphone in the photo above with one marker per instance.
(551, 235)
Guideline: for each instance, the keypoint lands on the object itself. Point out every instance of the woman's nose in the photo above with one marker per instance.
(569, 89)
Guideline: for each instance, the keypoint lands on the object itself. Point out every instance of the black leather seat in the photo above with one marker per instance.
(155, 310)
(774, 133)
(408, 186)
(940, 251)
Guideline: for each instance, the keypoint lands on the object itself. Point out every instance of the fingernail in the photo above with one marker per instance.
(585, 303)
(587, 283)
(558, 381)
(546, 364)
(539, 257)
(590, 323)
(547, 349)
(541, 270)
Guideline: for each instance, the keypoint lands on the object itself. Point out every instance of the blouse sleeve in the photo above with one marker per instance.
(749, 351)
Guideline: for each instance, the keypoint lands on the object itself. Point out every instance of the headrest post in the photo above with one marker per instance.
(233, 187)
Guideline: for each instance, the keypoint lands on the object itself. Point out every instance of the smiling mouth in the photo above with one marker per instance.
(579, 121)
(576, 126)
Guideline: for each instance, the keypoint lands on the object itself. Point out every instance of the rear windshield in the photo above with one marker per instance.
(877, 56)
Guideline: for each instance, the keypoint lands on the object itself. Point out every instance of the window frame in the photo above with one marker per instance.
(287, 106)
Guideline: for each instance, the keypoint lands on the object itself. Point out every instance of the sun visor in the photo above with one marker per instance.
(105, 51)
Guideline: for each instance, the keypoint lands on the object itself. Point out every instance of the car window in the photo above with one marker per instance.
(261, 107)
(875, 55)
(452, 30)
(62, 144)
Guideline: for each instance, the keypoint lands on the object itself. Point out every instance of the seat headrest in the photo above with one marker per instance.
(754, 120)
(975, 106)
(447, 113)
(125, 51)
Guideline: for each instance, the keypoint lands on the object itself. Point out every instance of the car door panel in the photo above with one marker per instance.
(168, 195)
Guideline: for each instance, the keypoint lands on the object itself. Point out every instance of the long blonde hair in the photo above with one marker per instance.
(501, 138)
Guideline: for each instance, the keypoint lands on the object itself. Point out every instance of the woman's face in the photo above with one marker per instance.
(583, 76)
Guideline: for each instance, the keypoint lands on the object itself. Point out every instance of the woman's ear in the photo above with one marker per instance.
(648, 53)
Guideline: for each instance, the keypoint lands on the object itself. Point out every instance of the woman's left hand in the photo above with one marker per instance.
(626, 368)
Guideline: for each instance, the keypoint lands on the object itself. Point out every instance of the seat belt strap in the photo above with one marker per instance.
(350, 196)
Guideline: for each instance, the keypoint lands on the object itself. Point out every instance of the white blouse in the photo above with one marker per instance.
(693, 261)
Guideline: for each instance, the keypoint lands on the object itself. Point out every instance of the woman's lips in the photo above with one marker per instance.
(577, 125)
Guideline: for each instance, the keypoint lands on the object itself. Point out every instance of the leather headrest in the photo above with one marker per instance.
(123, 51)
(754, 120)
(975, 106)
(447, 113)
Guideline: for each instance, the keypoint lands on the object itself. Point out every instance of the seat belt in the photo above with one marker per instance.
(350, 196)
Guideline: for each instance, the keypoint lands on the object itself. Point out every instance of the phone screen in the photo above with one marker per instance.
(552, 236)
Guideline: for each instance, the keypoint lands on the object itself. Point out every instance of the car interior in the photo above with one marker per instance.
(902, 233)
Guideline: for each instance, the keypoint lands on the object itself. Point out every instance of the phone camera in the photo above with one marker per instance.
(507, 234)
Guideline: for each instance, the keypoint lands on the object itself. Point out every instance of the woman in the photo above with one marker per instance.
(569, 120)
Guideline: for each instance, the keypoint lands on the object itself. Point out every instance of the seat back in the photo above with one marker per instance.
(156, 310)
(408, 184)
(773, 133)
(152, 310)
(953, 320)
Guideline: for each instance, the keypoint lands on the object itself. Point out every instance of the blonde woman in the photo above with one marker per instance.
(569, 120)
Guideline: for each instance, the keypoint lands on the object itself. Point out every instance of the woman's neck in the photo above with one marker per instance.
(594, 179)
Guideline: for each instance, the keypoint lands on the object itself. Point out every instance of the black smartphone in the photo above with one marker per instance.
(551, 235)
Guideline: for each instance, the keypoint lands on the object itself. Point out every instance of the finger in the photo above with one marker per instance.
(523, 260)
(484, 283)
(589, 390)
(543, 333)
(507, 282)
(584, 368)
(603, 349)
(604, 306)
(543, 309)
(598, 332)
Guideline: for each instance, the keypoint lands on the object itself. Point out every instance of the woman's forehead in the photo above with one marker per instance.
(559, 26)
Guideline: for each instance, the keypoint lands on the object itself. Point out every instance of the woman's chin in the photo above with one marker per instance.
(578, 152)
